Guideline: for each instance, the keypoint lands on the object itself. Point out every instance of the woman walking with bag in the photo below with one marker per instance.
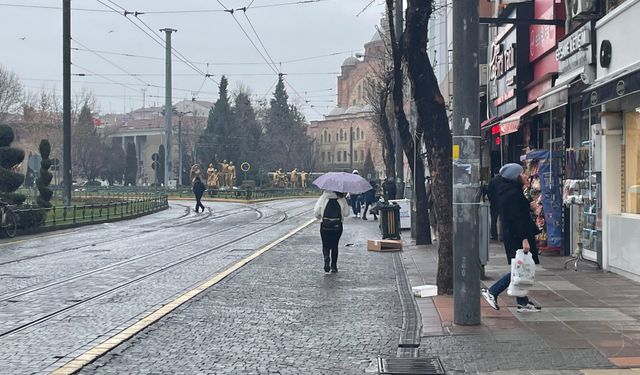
(331, 208)
(518, 231)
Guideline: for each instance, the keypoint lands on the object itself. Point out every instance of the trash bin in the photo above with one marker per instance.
(390, 221)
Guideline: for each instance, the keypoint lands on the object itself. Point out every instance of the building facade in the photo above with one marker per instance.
(345, 136)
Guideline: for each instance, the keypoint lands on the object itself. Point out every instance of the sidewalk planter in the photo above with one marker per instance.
(390, 222)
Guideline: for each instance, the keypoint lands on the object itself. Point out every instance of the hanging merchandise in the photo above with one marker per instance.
(550, 199)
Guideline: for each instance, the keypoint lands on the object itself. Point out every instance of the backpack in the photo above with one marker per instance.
(332, 217)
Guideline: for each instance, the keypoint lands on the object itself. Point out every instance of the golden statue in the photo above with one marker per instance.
(223, 172)
(212, 179)
(195, 172)
(303, 179)
(281, 178)
(231, 174)
(294, 178)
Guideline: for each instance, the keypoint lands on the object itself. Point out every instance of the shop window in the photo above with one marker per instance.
(631, 164)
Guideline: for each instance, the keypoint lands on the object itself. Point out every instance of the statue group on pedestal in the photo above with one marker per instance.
(225, 177)
(295, 179)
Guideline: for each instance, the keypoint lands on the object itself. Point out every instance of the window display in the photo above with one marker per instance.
(631, 164)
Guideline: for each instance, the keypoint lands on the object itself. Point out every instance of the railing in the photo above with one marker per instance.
(248, 194)
(114, 207)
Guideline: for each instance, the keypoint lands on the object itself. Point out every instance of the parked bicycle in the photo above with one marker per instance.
(8, 222)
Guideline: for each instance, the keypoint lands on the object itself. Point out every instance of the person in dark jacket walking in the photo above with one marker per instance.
(369, 200)
(518, 231)
(389, 189)
(198, 191)
(493, 200)
(331, 208)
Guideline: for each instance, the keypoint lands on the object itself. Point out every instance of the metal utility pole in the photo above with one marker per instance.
(180, 149)
(66, 102)
(168, 110)
(351, 147)
(399, 24)
(466, 164)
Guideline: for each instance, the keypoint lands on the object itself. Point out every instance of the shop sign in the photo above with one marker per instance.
(575, 50)
(502, 60)
(612, 90)
(542, 38)
(509, 127)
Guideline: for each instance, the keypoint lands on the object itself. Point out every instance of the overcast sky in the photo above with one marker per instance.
(32, 47)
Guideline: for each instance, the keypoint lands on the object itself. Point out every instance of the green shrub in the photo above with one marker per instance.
(6, 135)
(32, 218)
(10, 156)
(44, 177)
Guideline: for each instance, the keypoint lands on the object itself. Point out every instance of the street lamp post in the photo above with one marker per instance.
(180, 150)
(351, 147)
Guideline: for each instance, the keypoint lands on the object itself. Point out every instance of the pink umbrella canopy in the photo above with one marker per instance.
(343, 182)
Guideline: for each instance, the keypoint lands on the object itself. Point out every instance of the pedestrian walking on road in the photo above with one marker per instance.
(356, 200)
(198, 191)
(369, 200)
(518, 231)
(331, 208)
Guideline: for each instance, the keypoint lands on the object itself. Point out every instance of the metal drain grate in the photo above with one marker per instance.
(410, 366)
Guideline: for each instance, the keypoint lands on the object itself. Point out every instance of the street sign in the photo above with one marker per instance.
(155, 157)
(154, 165)
(245, 167)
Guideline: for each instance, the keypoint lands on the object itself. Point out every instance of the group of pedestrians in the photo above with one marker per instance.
(512, 208)
(366, 199)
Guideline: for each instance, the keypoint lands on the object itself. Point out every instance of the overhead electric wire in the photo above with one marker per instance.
(52, 7)
(218, 63)
(188, 11)
(102, 76)
(259, 39)
(155, 38)
(111, 63)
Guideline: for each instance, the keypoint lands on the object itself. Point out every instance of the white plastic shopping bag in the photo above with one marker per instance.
(523, 270)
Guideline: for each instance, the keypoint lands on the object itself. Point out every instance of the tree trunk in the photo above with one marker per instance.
(423, 231)
(432, 119)
(389, 154)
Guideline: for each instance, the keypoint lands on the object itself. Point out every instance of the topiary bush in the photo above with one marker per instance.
(44, 177)
(10, 157)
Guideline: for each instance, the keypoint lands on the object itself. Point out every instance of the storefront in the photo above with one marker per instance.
(509, 75)
(568, 135)
(616, 139)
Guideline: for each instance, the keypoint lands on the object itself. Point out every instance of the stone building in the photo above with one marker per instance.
(334, 149)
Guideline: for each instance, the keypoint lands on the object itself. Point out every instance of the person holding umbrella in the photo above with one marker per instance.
(332, 207)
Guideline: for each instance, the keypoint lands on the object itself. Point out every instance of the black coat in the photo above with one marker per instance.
(515, 214)
(198, 188)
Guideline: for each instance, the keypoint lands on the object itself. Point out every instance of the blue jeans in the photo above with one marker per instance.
(502, 285)
(355, 204)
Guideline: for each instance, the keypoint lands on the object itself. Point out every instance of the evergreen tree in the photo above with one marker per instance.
(44, 177)
(160, 166)
(247, 132)
(10, 157)
(88, 149)
(131, 165)
(215, 140)
(115, 163)
(287, 143)
(368, 169)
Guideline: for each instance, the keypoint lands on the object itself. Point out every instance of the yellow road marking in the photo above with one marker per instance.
(99, 350)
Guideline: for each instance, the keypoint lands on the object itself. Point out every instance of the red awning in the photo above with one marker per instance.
(512, 123)
(487, 122)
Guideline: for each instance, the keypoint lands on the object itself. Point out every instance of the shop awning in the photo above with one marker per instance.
(512, 123)
(558, 95)
(488, 122)
(621, 84)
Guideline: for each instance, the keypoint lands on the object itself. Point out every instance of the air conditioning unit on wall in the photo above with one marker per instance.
(484, 74)
(581, 8)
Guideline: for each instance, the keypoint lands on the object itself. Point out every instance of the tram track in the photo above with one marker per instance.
(160, 270)
(216, 215)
